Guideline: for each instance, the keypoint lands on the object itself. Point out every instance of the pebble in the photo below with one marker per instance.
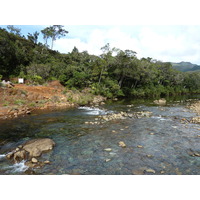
(46, 162)
(121, 129)
(150, 171)
(196, 154)
(139, 146)
(162, 172)
(198, 135)
(122, 144)
(149, 156)
(108, 149)
(151, 133)
(17, 149)
(113, 131)
(107, 160)
(34, 160)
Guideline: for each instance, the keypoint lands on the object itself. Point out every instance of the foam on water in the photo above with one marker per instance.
(18, 167)
(159, 118)
(2, 156)
(94, 111)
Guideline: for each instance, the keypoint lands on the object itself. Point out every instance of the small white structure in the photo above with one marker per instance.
(21, 80)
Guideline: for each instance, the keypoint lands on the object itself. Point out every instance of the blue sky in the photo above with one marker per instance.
(173, 43)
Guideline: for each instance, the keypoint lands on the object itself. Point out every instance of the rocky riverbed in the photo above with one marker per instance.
(130, 137)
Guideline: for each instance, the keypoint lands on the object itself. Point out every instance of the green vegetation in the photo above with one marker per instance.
(114, 73)
(19, 102)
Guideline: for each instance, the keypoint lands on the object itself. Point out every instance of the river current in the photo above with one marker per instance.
(154, 145)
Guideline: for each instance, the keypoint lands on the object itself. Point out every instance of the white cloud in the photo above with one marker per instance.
(166, 43)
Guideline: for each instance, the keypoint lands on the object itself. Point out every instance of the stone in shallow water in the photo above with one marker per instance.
(139, 146)
(108, 149)
(46, 162)
(122, 144)
(150, 171)
(34, 160)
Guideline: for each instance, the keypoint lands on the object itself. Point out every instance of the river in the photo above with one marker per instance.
(154, 145)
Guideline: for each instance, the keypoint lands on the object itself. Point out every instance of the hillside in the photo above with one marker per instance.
(185, 66)
(115, 73)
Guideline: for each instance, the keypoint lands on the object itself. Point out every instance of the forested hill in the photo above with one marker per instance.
(186, 66)
(112, 74)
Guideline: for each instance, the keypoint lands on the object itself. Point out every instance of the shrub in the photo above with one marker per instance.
(19, 102)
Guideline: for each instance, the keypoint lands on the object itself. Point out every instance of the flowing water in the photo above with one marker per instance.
(80, 148)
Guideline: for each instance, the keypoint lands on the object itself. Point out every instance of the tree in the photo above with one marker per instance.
(53, 32)
(46, 34)
(33, 37)
(14, 30)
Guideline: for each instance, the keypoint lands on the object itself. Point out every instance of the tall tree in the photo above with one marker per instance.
(33, 37)
(14, 30)
(54, 32)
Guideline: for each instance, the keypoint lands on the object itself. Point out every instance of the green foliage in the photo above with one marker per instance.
(19, 102)
(79, 98)
(113, 74)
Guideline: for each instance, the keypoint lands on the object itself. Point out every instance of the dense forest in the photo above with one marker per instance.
(114, 73)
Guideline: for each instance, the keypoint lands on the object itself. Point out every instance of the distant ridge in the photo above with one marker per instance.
(185, 66)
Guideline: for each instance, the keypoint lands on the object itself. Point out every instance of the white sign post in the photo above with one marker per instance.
(21, 80)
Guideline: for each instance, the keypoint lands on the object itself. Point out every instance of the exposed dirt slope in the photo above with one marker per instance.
(22, 99)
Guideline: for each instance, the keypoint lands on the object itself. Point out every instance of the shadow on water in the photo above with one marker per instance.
(159, 143)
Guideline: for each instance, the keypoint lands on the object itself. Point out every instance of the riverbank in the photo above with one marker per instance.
(22, 99)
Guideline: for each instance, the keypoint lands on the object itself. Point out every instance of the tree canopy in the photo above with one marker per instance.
(114, 73)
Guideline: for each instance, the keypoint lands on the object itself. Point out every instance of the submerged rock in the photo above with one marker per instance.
(150, 171)
(108, 149)
(193, 153)
(122, 144)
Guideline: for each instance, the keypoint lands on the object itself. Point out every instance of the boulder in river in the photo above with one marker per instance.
(36, 147)
(31, 149)
(160, 102)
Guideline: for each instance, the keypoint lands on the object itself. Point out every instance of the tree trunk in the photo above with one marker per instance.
(52, 43)
(121, 81)
(100, 75)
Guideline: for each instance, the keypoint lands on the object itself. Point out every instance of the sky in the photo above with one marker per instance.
(168, 43)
